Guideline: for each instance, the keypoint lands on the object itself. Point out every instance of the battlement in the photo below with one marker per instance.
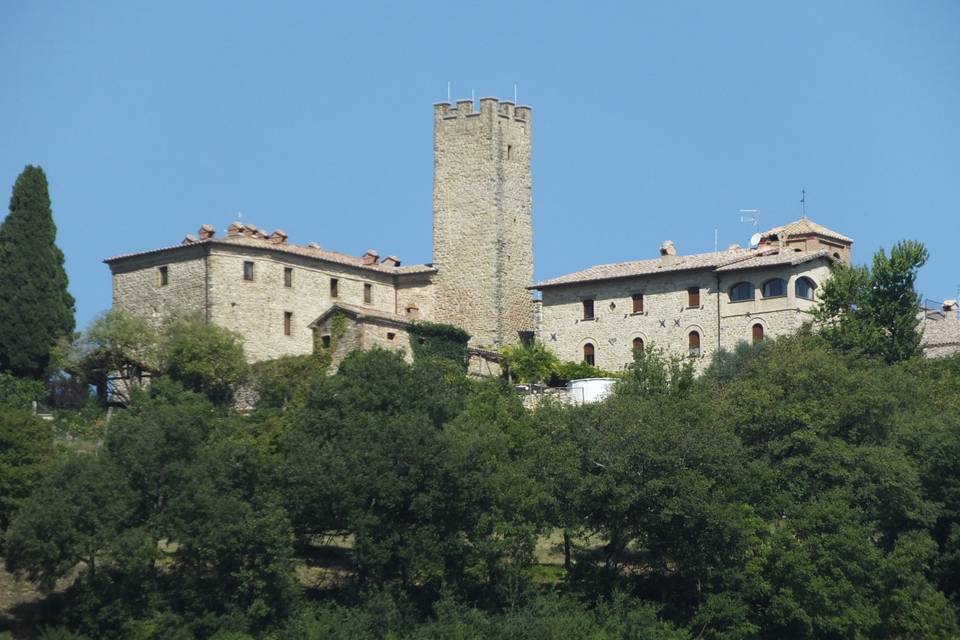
(491, 106)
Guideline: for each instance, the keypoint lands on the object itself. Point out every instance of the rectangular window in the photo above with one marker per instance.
(325, 341)
(288, 276)
(693, 297)
(391, 335)
(164, 276)
(334, 287)
(287, 323)
(368, 293)
(248, 271)
(638, 303)
(588, 309)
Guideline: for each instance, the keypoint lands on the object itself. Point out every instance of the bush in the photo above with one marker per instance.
(277, 381)
(204, 357)
(19, 393)
(435, 340)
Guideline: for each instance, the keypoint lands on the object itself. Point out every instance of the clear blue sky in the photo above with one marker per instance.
(652, 120)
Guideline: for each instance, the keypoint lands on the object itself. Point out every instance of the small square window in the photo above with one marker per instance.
(325, 341)
(368, 293)
(334, 287)
(164, 276)
(247, 270)
(391, 335)
(287, 323)
(288, 276)
(588, 310)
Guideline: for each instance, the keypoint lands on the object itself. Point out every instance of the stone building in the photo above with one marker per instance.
(277, 295)
(693, 305)
(282, 297)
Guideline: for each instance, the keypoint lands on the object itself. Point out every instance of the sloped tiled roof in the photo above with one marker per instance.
(361, 312)
(805, 226)
(308, 252)
(729, 260)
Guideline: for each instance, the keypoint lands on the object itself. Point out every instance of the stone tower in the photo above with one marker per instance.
(482, 230)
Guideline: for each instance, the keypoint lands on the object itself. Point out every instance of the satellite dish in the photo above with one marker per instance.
(755, 240)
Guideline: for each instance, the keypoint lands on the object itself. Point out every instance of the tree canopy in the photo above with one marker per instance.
(36, 308)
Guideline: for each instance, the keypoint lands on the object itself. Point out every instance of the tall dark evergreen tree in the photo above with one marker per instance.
(35, 307)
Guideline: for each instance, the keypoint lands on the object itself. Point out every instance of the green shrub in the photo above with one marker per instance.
(435, 340)
(18, 393)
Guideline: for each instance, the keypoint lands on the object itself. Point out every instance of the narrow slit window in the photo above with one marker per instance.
(288, 276)
(509, 152)
(693, 343)
(367, 293)
(287, 323)
(589, 354)
(693, 297)
(638, 303)
(248, 270)
(164, 276)
(334, 287)
(588, 309)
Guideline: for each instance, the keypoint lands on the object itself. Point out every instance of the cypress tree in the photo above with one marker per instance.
(35, 307)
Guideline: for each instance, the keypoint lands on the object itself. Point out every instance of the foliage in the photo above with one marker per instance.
(20, 393)
(116, 342)
(35, 306)
(278, 381)
(435, 340)
(25, 448)
(203, 357)
(877, 310)
(535, 363)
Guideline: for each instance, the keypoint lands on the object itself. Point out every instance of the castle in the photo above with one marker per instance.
(282, 297)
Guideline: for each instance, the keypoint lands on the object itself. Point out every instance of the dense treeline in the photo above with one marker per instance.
(793, 491)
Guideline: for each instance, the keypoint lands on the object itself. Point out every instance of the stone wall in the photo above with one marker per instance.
(482, 229)
(255, 309)
(137, 287)
(667, 319)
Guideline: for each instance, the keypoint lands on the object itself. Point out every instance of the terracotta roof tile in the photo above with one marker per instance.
(806, 226)
(309, 252)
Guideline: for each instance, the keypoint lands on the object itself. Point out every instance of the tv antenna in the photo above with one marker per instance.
(753, 217)
(803, 202)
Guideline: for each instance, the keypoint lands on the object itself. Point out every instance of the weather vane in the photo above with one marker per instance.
(803, 202)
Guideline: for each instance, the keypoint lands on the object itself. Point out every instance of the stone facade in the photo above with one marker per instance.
(675, 303)
(482, 229)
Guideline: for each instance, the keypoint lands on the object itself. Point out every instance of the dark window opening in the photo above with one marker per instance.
(588, 309)
(757, 333)
(509, 152)
(287, 323)
(288, 276)
(368, 293)
(248, 271)
(741, 291)
(637, 344)
(391, 335)
(638, 303)
(325, 341)
(588, 354)
(774, 288)
(334, 287)
(164, 276)
(693, 342)
(693, 297)
(804, 288)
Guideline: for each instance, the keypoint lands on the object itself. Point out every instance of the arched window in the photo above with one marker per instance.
(637, 344)
(757, 333)
(588, 354)
(804, 288)
(741, 291)
(774, 288)
(693, 342)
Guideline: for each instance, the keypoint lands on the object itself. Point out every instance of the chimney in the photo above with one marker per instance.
(413, 311)
(668, 253)
(249, 230)
(260, 234)
(207, 232)
(949, 306)
(235, 229)
(190, 239)
(391, 261)
(370, 257)
(278, 237)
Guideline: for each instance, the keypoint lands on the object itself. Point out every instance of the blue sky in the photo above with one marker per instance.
(652, 120)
